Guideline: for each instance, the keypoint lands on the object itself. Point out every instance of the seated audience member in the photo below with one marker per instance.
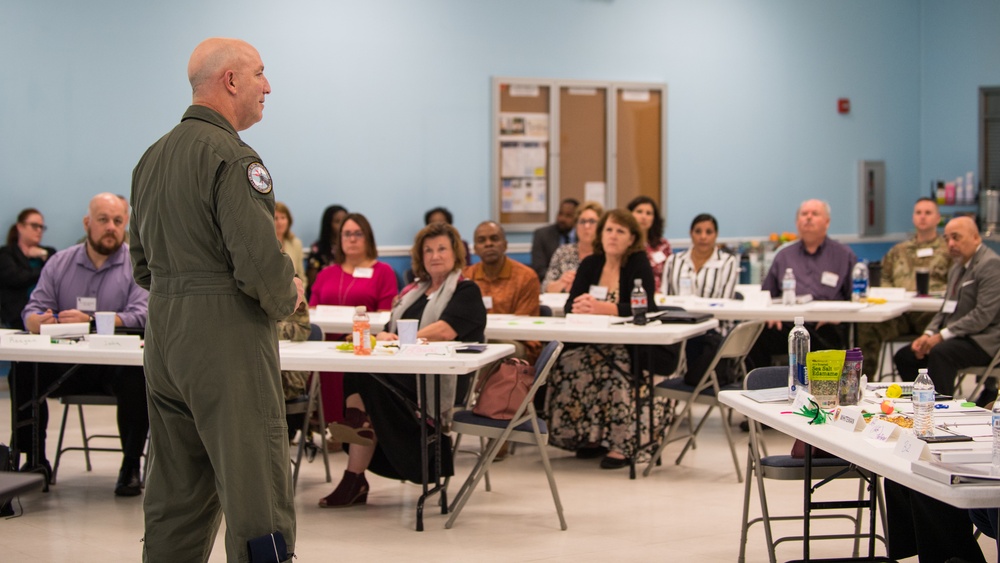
(356, 277)
(647, 213)
(712, 273)
(591, 404)
(822, 268)
(21, 262)
(379, 423)
(290, 244)
(547, 239)
(296, 328)
(924, 250)
(75, 283)
(508, 287)
(966, 331)
(562, 268)
(933, 530)
(321, 251)
(436, 215)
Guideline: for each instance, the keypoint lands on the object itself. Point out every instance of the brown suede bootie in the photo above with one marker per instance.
(352, 490)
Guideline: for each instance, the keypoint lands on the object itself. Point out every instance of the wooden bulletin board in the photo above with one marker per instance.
(639, 143)
(604, 141)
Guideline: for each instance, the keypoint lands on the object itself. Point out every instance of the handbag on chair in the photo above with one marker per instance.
(504, 389)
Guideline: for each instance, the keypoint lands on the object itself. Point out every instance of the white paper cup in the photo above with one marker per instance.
(407, 330)
(105, 322)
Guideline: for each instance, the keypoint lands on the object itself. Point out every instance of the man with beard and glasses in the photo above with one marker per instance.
(95, 275)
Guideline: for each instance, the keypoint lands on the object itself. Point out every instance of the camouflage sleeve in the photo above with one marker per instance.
(889, 267)
(296, 327)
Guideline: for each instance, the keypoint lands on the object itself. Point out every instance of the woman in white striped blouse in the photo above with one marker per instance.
(705, 271)
(712, 272)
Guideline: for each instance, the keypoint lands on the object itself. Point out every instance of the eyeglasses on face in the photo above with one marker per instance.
(353, 234)
(587, 222)
(37, 226)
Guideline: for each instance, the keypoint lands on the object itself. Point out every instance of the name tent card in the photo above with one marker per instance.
(911, 448)
(114, 342)
(850, 419)
(25, 341)
(879, 431)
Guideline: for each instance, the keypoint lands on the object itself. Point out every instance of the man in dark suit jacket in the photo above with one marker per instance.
(550, 237)
(966, 331)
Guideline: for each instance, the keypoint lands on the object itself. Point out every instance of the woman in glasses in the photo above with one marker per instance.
(562, 267)
(356, 277)
(21, 263)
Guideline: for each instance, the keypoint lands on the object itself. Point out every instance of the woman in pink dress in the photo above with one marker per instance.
(356, 277)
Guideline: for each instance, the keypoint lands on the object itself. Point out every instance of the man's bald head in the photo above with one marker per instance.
(107, 216)
(227, 75)
(962, 237)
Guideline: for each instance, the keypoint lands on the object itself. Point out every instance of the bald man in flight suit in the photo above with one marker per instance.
(203, 244)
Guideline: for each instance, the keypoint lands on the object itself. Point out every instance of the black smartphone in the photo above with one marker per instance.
(942, 438)
(471, 349)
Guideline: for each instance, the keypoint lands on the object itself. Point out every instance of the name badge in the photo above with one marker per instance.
(925, 252)
(912, 448)
(659, 257)
(363, 272)
(949, 306)
(86, 304)
(830, 279)
(488, 301)
(25, 341)
(713, 264)
(599, 292)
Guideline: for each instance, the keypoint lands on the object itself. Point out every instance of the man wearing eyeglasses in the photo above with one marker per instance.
(95, 275)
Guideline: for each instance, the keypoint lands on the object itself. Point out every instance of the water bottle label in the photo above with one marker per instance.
(860, 286)
(639, 301)
(800, 375)
(923, 396)
(787, 285)
(996, 421)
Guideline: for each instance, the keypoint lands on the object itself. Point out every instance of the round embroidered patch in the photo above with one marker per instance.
(260, 178)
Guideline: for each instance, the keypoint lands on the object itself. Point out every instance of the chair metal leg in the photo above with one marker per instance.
(86, 441)
(470, 484)
(745, 527)
(62, 432)
(542, 444)
(667, 438)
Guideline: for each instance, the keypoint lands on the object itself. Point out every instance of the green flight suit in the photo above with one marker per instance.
(203, 244)
(899, 267)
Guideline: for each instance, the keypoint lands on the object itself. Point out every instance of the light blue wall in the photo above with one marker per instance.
(383, 105)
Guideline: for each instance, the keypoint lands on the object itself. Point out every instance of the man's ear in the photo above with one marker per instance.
(229, 80)
(86, 223)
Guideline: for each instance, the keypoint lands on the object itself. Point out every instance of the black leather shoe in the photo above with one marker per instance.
(129, 484)
(615, 462)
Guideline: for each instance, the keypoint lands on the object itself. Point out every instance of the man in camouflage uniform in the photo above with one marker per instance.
(203, 244)
(924, 250)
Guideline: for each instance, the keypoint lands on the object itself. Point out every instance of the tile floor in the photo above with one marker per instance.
(689, 512)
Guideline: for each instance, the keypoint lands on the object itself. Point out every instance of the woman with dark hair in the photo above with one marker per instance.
(379, 422)
(356, 277)
(321, 251)
(21, 262)
(706, 271)
(591, 399)
(647, 213)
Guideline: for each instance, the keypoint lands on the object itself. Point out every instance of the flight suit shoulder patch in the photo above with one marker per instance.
(259, 177)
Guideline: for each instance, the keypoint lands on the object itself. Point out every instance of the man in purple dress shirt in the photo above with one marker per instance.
(95, 275)
(822, 269)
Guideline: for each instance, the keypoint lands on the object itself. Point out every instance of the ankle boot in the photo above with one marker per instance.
(352, 490)
(355, 429)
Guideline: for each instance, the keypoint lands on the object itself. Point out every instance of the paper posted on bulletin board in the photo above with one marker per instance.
(523, 195)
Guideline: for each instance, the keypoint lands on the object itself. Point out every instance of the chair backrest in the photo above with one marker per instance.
(544, 311)
(315, 333)
(741, 339)
(766, 378)
(546, 359)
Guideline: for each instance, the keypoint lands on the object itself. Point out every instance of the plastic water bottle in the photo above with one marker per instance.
(362, 332)
(923, 404)
(640, 303)
(859, 282)
(788, 288)
(686, 283)
(996, 438)
(798, 349)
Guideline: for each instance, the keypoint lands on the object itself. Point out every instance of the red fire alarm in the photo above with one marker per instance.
(843, 105)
